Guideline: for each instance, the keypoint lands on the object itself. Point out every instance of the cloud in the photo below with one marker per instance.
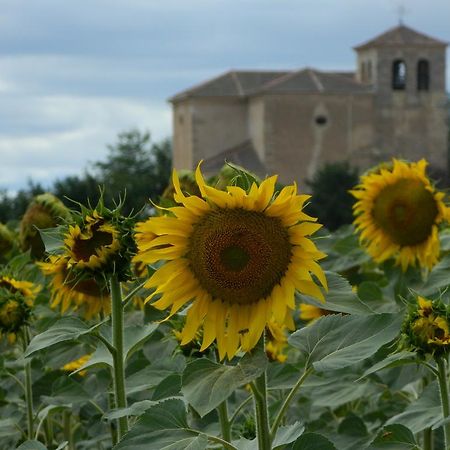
(70, 131)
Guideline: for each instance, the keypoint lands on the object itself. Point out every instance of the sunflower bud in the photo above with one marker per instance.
(6, 240)
(16, 301)
(187, 184)
(45, 211)
(426, 327)
(233, 175)
(276, 342)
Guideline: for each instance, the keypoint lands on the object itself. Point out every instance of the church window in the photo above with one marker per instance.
(398, 75)
(423, 75)
(321, 120)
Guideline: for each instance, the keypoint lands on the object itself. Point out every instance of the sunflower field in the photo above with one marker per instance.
(229, 319)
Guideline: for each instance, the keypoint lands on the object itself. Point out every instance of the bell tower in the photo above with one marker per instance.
(406, 70)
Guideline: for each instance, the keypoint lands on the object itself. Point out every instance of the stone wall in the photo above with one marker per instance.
(296, 145)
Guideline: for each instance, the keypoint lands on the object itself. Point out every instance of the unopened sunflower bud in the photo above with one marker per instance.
(45, 211)
(426, 328)
(6, 240)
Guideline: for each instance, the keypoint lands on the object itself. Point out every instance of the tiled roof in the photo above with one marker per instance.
(233, 83)
(243, 155)
(315, 81)
(241, 84)
(401, 35)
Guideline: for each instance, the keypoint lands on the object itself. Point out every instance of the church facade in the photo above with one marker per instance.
(291, 122)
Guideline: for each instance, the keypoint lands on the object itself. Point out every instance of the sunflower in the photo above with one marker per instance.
(238, 255)
(312, 312)
(16, 301)
(71, 291)
(426, 327)
(94, 244)
(75, 365)
(276, 342)
(398, 212)
(45, 211)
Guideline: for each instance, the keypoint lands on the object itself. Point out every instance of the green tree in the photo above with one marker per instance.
(78, 189)
(137, 166)
(331, 202)
(12, 207)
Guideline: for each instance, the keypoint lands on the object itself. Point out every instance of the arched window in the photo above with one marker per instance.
(398, 75)
(423, 75)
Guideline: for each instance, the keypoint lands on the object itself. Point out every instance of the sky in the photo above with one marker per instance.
(74, 74)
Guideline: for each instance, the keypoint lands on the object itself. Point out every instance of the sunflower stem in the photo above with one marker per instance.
(28, 386)
(443, 389)
(222, 410)
(428, 439)
(112, 424)
(67, 424)
(225, 425)
(118, 355)
(259, 389)
(286, 403)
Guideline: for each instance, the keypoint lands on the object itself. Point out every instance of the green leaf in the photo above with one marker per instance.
(444, 237)
(334, 342)
(163, 427)
(136, 336)
(65, 391)
(331, 392)
(369, 291)
(246, 444)
(394, 437)
(353, 426)
(438, 280)
(313, 441)
(340, 297)
(31, 445)
(66, 329)
(206, 384)
(136, 409)
(53, 238)
(101, 357)
(343, 250)
(62, 446)
(423, 413)
(394, 360)
(169, 387)
(8, 428)
(287, 434)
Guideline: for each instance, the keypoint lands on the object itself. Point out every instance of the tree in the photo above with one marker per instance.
(136, 166)
(12, 207)
(77, 189)
(331, 202)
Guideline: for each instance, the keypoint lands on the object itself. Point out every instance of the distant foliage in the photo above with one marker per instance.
(12, 207)
(331, 203)
(134, 165)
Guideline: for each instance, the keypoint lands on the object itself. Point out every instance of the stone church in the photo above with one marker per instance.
(291, 122)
